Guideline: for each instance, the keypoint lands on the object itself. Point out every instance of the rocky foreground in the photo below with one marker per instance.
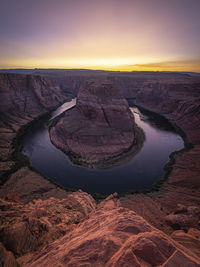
(106, 235)
(101, 126)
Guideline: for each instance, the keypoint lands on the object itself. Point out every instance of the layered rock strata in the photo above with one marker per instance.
(179, 101)
(7, 258)
(113, 236)
(101, 126)
(26, 228)
(175, 96)
(23, 98)
(30, 185)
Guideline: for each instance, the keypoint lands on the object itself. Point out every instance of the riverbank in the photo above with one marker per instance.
(16, 159)
(181, 188)
(22, 177)
(174, 206)
(22, 160)
(23, 98)
(129, 154)
(168, 167)
(109, 162)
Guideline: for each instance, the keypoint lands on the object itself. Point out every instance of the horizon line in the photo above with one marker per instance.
(106, 70)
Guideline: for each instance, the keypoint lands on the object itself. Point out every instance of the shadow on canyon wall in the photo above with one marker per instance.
(109, 234)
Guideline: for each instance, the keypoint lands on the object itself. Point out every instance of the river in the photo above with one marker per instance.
(139, 173)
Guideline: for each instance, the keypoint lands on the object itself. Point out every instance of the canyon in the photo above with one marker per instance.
(70, 229)
(23, 98)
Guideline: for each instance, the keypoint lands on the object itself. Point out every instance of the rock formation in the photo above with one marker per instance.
(23, 97)
(41, 222)
(101, 125)
(7, 258)
(111, 236)
(191, 239)
(179, 103)
(30, 185)
(178, 99)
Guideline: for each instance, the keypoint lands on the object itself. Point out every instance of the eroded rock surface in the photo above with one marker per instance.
(25, 228)
(176, 96)
(191, 239)
(7, 258)
(101, 125)
(179, 102)
(178, 99)
(113, 236)
(86, 234)
(23, 97)
(30, 185)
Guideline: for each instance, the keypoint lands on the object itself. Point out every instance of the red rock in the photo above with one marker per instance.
(40, 221)
(180, 259)
(13, 196)
(30, 185)
(190, 240)
(179, 221)
(27, 95)
(101, 125)
(178, 99)
(112, 236)
(23, 98)
(7, 258)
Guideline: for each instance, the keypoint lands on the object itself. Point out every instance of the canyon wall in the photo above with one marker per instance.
(23, 98)
(179, 102)
(175, 207)
(107, 234)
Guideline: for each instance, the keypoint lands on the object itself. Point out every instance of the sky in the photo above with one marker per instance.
(121, 35)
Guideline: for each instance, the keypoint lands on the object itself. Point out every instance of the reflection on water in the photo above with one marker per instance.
(139, 173)
(62, 108)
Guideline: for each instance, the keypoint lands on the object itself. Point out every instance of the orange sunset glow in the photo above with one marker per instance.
(111, 35)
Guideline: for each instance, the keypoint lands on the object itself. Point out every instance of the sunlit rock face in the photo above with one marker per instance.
(24, 228)
(113, 236)
(101, 126)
